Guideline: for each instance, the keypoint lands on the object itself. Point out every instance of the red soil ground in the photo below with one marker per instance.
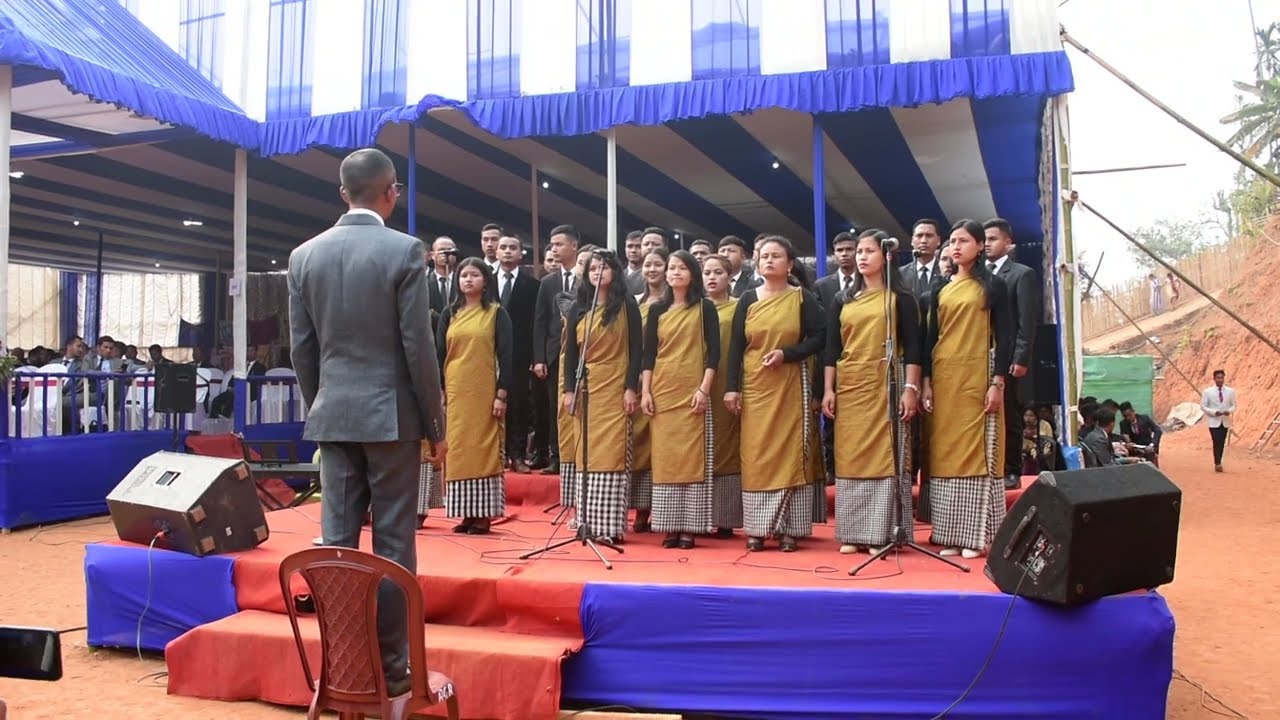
(1222, 599)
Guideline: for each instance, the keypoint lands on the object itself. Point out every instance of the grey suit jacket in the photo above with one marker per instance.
(361, 334)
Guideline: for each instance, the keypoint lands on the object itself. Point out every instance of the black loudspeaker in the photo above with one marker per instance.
(1080, 535)
(175, 388)
(199, 505)
(1046, 382)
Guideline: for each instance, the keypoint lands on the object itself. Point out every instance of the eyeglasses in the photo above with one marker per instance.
(398, 187)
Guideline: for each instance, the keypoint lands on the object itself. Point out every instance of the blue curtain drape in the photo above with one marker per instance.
(857, 33)
(386, 53)
(726, 38)
(68, 306)
(604, 43)
(493, 48)
(200, 36)
(980, 28)
(92, 311)
(291, 48)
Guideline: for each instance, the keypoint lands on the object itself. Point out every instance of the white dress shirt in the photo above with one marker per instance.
(1218, 399)
(367, 211)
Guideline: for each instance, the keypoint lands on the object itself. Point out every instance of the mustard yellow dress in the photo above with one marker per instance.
(966, 445)
(681, 343)
(726, 501)
(613, 367)
(474, 345)
(640, 493)
(776, 421)
(567, 435)
(872, 452)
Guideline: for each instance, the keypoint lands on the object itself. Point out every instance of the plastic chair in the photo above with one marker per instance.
(344, 584)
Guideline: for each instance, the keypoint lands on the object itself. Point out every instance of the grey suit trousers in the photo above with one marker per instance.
(382, 477)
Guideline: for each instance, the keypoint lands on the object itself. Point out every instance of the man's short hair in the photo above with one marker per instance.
(734, 240)
(937, 226)
(1126, 405)
(366, 173)
(652, 230)
(634, 235)
(699, 241)
(999, 224)
(568, 231)
(842, 237)
(1216, 373)
(491, 226)
(1104, 416)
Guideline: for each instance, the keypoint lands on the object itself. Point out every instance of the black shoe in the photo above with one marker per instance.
(552, 468)
(399, 686)
(1012, 482)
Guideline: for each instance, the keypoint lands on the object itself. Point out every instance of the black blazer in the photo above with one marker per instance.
(910, 278)
(438, 303)
(520, 307)
(547, 320)
(747, 280)
(828, 287)
(1024, 303)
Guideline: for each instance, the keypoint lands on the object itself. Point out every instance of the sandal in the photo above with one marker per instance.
(787, 544)
(755, 544)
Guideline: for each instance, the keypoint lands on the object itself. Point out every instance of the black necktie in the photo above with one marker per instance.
(848, 282)
(506, 289)
(568, 282)
(444, 287)
(922, 280)
(991, 265)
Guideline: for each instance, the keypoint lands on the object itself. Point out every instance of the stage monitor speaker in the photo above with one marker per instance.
(202, 505)
(175, 388)
(1080, 535)
(1046, 382)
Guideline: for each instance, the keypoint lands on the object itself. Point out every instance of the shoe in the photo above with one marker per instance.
(1012, 482)
(848, 549)
(755, 544)
(399, 686)
(479, 527)
(686, 542)
(464, 526)
(949, 552)
(788, 544)
(552, 468)
(1217, 468)
(672, 540)
(968, 554)
(723, 533)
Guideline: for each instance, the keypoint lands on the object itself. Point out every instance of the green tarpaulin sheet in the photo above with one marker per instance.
(1121, 378)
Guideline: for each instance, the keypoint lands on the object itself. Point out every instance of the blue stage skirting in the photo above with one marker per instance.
(177, 591)
(805, 653)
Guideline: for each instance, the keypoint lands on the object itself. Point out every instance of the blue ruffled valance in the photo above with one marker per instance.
(100, 50)
(579, 113)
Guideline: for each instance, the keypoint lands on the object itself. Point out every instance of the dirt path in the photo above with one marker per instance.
(1221, 598)
(1150, 324)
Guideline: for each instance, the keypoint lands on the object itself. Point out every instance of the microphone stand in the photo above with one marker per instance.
(902, 533)
(582, 397)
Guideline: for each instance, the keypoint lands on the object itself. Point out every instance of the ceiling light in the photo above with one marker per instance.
(545, 184)
(675, 236)
(776, 165)
(17, 174)
(273, 262)
(75, 222)
(192, 223)
(157, 264)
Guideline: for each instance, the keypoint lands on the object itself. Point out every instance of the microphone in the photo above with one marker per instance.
(889, 244)
(604, 253)
(916, 254)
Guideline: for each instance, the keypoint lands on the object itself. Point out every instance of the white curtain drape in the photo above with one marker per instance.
(33, 308)
(145, 309)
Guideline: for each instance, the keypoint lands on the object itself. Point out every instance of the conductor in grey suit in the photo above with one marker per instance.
(366, 365)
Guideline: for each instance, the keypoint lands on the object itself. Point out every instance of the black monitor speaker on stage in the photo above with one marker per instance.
(1080, 535)
(195, 504)
(175, 388)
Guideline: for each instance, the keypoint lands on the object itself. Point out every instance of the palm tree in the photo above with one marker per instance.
(1258, 117)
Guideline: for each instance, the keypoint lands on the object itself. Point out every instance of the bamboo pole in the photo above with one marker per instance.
(1255, 167)
(1067, 294)
(1133, 168)
(1186, 280)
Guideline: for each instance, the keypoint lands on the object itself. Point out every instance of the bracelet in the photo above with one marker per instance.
(501, 398)
(704, 392)
(909, 386)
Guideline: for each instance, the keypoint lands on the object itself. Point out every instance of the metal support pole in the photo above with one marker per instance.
(611, 193)
(6, 119)
(819, 199)
(1255, 167)
(536, 262)
(97, 292)
(1230, 313)
(411, 205)
(240, 263)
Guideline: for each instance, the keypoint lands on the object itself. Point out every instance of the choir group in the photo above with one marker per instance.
(705, 392)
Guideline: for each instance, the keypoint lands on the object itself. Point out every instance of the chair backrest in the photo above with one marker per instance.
(344, 586)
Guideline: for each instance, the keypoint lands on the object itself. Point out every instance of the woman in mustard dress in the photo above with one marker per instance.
(873, 452)
(726, 501)
(681, 353)
(566, 424)
(966, 356)
(473, 341)
(612, 350)
(777, 327)
(654, 268)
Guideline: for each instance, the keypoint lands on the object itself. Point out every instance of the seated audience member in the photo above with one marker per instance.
(1038, 444)
(1088, 408)
(1096, 445)
(1141, 433)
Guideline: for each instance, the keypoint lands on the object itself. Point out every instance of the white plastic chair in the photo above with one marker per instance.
(140, 400)
(44, 401)
(275, 397)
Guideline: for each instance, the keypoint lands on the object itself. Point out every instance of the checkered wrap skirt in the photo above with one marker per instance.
(865, 509)
(686, 507)
(605, 498)
(779, 512)
(640, 495)
(967, 511)
(430, 489)
(479, 498)
(814, 445)
(568, 483)
(726, 501)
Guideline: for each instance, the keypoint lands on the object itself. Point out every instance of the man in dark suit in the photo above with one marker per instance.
(1025, 294)
(919, 275)
(633, 272)
(518, 293)
(442, 286)
(735, 250)
(367, 369)
(844, 246)
(547, 325)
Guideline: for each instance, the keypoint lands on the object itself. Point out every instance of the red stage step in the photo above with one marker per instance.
(252, 656)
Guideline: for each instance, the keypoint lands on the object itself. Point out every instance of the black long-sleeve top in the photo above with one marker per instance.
(909, 333)
(502, 344)
(1002, 327)
(634, 344)
(710, 335)
(811, 335)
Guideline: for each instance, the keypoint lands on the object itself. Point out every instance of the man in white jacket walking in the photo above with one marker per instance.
(1219, 405)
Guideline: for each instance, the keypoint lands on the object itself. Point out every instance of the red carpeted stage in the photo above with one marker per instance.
(498, 625)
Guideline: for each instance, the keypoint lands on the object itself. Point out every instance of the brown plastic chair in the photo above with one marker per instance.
(344, 586)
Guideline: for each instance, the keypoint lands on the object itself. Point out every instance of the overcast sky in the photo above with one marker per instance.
(1186, 53)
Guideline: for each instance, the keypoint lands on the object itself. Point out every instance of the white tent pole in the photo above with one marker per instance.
(611, 196)
(6, 105)
(536, 262)
(240, 263)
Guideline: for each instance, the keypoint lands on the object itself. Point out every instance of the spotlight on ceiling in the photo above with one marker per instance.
(675, 236)
(192, 223)
(75, 222)
(17, 174)
(157, 264)
(545, 184)
(776, 165)
(273, 262)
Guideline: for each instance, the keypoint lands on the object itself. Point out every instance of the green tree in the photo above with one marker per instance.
(1171, 240)
(1257, 117)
